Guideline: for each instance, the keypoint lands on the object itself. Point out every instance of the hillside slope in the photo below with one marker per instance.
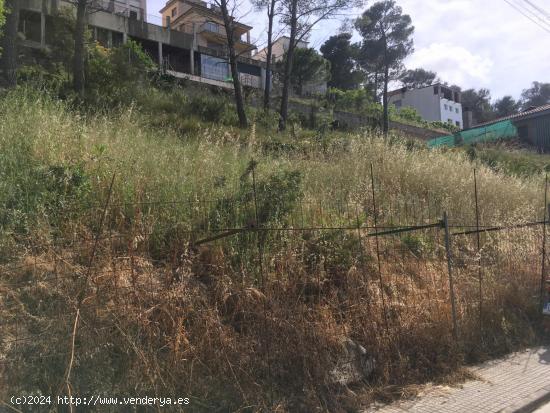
(147, 256)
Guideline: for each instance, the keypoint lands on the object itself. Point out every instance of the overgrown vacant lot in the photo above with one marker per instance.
(116, 281)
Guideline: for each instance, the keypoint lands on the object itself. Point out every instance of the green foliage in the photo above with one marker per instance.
(479, 102)
(387, 41)
(444, 125)
(537, 95)
(116, 75)
(418, 244)
(506, 160)
(2, 16)
(506, 106)
(342, 55)
(212, 108)
(31, 187)
(357, 100)
(271, 199)
(417, 78)
(336, 251)
(395, 45)
(61, 44)
(410, 113)
(307, 66)
(53, 79)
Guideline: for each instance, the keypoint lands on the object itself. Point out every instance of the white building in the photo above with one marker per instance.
(434, 103)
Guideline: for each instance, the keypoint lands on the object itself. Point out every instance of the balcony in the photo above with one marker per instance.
(250, 80)
(118, 7)
(215, 32)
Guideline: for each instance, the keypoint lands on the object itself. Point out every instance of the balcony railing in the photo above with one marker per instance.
(120, 8)
(250, 80)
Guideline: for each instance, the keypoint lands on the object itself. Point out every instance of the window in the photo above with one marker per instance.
(456, 109)
(436, 90)
(446, 107)
(398, 103)
(457, 123)
(29, 25)
(174, 11)
(212, 27)
(449, 120)
(214, 68)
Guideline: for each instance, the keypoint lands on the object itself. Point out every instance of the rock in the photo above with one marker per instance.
(353, 365)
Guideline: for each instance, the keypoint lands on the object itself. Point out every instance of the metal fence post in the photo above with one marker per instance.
(479, 267)
(450, 270)
(375, 216)
(543, 263)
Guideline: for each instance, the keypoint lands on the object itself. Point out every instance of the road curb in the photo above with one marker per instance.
(531, 403)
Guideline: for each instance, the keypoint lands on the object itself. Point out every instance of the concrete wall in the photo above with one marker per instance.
(426, 103)
(157, 38)
(432, 107)
(355, 121)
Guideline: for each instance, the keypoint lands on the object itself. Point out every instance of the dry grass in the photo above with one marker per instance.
(160, 317)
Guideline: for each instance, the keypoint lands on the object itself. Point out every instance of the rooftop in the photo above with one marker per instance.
(530, 113)
(202, 6)
(405, 89)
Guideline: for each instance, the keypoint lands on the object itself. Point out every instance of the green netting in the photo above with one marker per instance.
(500, 130)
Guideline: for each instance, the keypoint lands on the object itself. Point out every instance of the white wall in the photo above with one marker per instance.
(429, 105)
(451, 110)
(423, 100)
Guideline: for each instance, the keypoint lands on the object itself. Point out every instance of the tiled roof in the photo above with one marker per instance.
(517, 116)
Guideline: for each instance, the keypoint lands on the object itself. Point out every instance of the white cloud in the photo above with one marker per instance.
(454, 64)
(473, 43)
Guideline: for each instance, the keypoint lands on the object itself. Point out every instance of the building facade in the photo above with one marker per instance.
(278, 50)
(197, 54)
(436, 103)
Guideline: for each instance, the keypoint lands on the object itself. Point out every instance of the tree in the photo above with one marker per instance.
(229, 22)
(417, 78)
(479, 102)
(300, 16)
(506, 106)
(269, 5)
(79, 65)
(387, 41)
(9, 43)
(537, 95)
(342, 55)
(307, 66)
(2, 17)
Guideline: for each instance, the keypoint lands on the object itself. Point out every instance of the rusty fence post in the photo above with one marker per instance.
(450, 271)
(479, 263)
(375, 217)
(543, 261)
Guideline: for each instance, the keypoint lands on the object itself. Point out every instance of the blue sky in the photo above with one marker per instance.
(471, 43)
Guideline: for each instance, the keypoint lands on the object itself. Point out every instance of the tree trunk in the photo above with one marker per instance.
(376, 86)
(386, 120)
(9, 43)
(288, 65)
(267, 86)
(79, 47)
(239, 101)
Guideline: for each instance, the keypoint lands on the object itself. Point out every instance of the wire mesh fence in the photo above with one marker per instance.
(274, 265)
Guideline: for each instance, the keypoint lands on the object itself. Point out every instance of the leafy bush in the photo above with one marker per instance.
(356, 100)
(115, 76)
